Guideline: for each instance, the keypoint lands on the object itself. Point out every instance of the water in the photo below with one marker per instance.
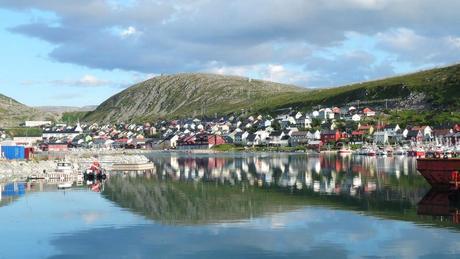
(238, 205)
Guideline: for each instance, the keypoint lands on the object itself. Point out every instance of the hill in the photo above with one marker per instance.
(12, 113)
(204, 94)
(434, 89)
(186, 95)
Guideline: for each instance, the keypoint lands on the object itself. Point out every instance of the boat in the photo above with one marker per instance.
(95, 172)
(66, 185)
(345, 150)
(440, 173)
(64, 171)
(399, 151)
(381, 152)
(416, 152)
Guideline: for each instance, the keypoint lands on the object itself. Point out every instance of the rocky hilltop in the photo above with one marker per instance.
(187, 95)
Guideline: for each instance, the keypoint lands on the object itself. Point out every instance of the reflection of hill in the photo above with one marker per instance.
(194, 203)
(175, 202)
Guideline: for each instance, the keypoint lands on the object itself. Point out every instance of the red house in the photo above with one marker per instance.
(368, 112)
(330, 136)
(200, 141)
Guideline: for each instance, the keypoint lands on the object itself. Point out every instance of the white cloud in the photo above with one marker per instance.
(269, 72)
(419, 50)
(183, 36)
(130, 31)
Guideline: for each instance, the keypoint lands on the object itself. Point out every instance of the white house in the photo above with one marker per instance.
(381, 137)
(356, 117)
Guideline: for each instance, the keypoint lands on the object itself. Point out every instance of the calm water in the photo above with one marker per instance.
(237, 205)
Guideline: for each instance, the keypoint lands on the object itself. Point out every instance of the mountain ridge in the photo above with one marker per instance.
(423, 90)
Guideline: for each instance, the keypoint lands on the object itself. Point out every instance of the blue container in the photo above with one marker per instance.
(14, 189)
(13, 152)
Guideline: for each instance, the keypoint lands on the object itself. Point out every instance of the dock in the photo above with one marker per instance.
(132, 167)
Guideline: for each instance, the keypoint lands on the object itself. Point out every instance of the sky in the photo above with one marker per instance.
(81, 52)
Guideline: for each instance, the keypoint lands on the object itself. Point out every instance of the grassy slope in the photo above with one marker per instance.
(194, 94)
(440, 86)
(12, 113)
(186, 95)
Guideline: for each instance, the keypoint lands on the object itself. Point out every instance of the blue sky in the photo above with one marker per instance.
(82, 52)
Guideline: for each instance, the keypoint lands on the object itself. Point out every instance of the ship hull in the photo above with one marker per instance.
(440, 173)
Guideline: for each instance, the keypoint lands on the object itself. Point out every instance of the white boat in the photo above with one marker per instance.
(381, 152)
(345, 150)
(399, 151)
(65, 185)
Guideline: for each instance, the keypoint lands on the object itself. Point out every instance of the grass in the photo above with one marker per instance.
(73, 117)
(24, 132)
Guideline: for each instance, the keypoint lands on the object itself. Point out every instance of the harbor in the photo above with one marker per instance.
(237, 194)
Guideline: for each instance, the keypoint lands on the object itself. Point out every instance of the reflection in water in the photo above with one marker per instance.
(233, 206)
(441, 205)
(206, 189)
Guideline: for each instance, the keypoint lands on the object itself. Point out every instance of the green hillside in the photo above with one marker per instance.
(187, 95)
(12, 113)
(203, 94)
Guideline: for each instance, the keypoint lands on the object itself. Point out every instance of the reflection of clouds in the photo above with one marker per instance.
(91, 217)
(317, 232)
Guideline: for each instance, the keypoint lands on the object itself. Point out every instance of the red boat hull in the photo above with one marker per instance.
(440, 173)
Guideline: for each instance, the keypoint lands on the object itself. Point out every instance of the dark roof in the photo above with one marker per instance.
(413, 133)
(275, 134)
(251, 137)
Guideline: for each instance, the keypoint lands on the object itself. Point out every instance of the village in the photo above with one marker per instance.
(344, 130)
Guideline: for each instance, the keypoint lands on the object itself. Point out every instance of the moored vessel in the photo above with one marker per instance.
(442, 173)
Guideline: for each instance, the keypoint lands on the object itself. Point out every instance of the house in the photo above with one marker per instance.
(356, 117)
(240, 138)
(287, 122)
(415, 135)
(330, 136)
(253, 140)
(66, 133)
(170, 141)
(368, 112)
(26, 141)
(31, 124)
(366, 129)
(426, 131)
(326, 114)
(381, 137)
(303, 122)
(299, 138)
(391, 128)
(200, 141)
(275, 137)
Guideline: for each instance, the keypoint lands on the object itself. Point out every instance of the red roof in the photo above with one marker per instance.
(366, 110)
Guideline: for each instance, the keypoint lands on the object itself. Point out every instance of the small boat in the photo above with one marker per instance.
(95, 172)
(381, 152)
(417, 152)
(371, 152)
(345, 150)
(65, 185)
(399, 151)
